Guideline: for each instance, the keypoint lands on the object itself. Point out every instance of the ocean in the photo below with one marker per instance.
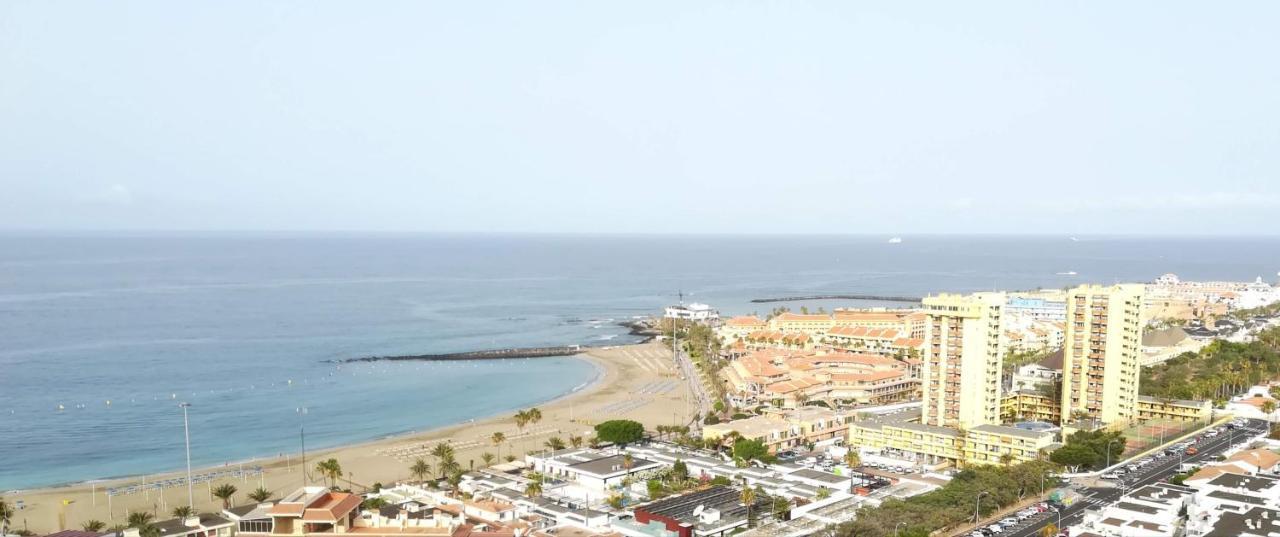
(243, 326)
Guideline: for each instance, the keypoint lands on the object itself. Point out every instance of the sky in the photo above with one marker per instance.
(641, 117)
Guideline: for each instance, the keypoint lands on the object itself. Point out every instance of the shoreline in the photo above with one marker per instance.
(635, 381)
(385, 437)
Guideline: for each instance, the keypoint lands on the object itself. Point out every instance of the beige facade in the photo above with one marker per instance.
(1102, 353)
(962, 356)
(793, 428)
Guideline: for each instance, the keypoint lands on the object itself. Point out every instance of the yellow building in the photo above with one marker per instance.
(991, 444)
(1173, 409)
(1102, 353)
(962, 355)
(1030, 405)
(932, 445)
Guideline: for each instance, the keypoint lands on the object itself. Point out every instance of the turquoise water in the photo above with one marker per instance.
(225, 322)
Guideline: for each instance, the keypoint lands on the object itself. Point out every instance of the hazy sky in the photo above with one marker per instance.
(1071, 117)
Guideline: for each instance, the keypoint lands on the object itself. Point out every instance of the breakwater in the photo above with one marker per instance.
(880, 298)
(491, 354)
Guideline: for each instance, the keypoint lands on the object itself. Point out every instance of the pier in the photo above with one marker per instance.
(491, 354)
(878, 298)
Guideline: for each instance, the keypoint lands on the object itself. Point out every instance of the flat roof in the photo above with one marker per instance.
(610, 464)
(1011, 431)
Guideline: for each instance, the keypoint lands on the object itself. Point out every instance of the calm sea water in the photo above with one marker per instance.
(241, 325)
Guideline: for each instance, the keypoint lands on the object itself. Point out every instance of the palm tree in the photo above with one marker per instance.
(225, 491)
(627, 462)
(487, 458)
(260, 495)
(139, 519)
(748, 497)
(533, 489)
(183, 511)
(1006, 458)
(554, 443)
(94, 526)
(444, 453)
(331, 469)
(521, 418)
(6, 514)
(575, 441)
(498, 438)
(455, 479)
(420, 469)
(535, 415)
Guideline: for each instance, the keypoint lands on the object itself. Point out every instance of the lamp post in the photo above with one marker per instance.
(1113, 440)
(977, 502)
(186, 433)
(302, 433)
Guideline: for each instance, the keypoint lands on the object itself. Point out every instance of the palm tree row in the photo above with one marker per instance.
(331, 469)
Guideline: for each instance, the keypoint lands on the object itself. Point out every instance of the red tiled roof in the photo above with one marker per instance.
(330, 507)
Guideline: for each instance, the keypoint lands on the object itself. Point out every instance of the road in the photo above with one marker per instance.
(1161, 469)
(685, 364)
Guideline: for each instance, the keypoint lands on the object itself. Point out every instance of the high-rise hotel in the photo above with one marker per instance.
(1100, 365)
(962, 358)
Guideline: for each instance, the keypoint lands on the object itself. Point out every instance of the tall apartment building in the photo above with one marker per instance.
(962, 356)
(1101, 358)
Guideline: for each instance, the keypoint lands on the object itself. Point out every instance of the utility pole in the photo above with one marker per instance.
(302, 432)
(186, 432)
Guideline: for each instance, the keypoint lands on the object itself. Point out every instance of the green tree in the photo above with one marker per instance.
(420, 469)
(534, 488)
(620, 432)
(225, 491)
(554, 443)
(655, 489)
(680, 471)
(444, 454)
(182, 511)
(331, 469)
(260, 495)
(748, 497)
(487, 458)
(143, 522)
(93, 526)
(824, 493)
(745, 450)
(376, 502)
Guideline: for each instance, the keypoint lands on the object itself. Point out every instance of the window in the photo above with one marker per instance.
(255, 526)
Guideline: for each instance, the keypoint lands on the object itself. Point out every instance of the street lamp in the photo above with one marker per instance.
(302, 433)
(976, 502)
(186, 433)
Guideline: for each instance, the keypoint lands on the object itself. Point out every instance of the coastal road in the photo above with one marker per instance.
(692, 376)
(1162, 469)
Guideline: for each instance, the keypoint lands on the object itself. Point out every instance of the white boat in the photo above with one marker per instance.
(895, 240)
(1067, 273)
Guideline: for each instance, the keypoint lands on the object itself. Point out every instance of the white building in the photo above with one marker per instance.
(596, 470)
(1151, 511)
(694, 311)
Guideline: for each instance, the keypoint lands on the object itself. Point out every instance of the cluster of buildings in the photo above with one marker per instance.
(789, 378)
(964, 406)
(1237, 497)
(949, 356)
(879, 331)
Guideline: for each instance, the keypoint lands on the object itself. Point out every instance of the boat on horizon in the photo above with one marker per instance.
(895, 240)
(1067, 273)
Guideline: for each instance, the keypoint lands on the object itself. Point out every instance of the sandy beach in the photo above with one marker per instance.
(637, 382)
